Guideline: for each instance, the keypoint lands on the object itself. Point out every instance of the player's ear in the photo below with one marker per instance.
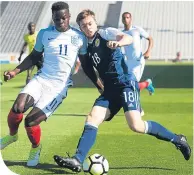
(69, 15)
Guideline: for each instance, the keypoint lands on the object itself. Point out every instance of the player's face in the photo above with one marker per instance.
(126, 19)
(32, 28)
(88, 26)
(61, 20)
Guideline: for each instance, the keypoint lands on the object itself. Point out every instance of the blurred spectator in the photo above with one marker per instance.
(178, 57)
(29, 41)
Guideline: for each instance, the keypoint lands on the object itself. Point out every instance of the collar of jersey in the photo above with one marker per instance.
(129, 28)
(62, 32)
(90, 41)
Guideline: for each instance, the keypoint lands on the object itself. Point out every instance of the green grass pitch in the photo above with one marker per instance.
(128, 153)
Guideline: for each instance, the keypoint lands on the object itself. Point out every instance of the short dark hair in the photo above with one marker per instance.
(59, 6)
(126, 13)
(30, 24)
(83, 14)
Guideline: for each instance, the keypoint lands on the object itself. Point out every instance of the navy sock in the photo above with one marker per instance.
(86, 142)
(161, 132)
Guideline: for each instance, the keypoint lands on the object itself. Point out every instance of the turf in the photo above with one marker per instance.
(128, 153)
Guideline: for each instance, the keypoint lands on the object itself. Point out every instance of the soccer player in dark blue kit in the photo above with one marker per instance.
(120, 90)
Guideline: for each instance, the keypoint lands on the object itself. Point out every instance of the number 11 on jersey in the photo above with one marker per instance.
(63, 49)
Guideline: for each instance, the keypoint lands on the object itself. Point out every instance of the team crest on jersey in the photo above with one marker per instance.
(97, 42)
(75, 40)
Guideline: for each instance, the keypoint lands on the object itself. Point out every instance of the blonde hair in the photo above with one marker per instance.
(83, 14)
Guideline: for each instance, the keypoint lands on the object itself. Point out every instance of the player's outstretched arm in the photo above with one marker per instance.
(28, 62)
(89, 71)
(121, 40)
(124, 39)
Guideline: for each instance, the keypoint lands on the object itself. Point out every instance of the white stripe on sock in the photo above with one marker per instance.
(91, 124)
(146, 127)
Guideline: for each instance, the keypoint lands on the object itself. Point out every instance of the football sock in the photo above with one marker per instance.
(160, 132)
(14, 120)
(86, 142)
(34, 134)
(143, 85)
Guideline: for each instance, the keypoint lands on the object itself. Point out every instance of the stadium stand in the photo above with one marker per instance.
(14, 20)
(3, 6)
(169, 23)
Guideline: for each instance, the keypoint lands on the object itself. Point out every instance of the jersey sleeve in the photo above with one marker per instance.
(39, 45)
(143, 33)
(83, 49)
(109, 34)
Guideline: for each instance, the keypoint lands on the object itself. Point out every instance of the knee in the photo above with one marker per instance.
(94, 120)
(29, 122)
(137, 127)
(134, 127)
(18, 107)
(90, 118)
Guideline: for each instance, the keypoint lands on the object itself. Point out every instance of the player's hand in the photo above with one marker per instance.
(9, 75)
(146, 55)
(112, 44)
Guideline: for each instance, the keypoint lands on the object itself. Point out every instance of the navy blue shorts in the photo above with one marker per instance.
(127, 98)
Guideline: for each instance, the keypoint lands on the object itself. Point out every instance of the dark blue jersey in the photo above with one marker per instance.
(109, 63)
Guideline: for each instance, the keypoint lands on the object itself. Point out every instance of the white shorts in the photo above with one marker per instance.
(46, 97)
(138, 70)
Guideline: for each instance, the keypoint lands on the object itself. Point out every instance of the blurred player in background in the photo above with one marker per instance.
(134, 56)
(61, 45)
(120, 90)
(29, 40)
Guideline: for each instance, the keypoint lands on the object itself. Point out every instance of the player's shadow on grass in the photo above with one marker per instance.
(150, 168)
(54, 169)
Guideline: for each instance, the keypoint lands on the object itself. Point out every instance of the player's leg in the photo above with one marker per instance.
(86, 141)
(22, 104)
(97, 115)
(27, 98)
(33, 130)
(104, 110)
(43, 109)
(147, 84)
(131, 107)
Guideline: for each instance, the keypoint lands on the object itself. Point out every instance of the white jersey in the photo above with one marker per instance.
(133, 52)
(61, 50)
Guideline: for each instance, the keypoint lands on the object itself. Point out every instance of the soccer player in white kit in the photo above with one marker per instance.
(61, 45)
(134, 57)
